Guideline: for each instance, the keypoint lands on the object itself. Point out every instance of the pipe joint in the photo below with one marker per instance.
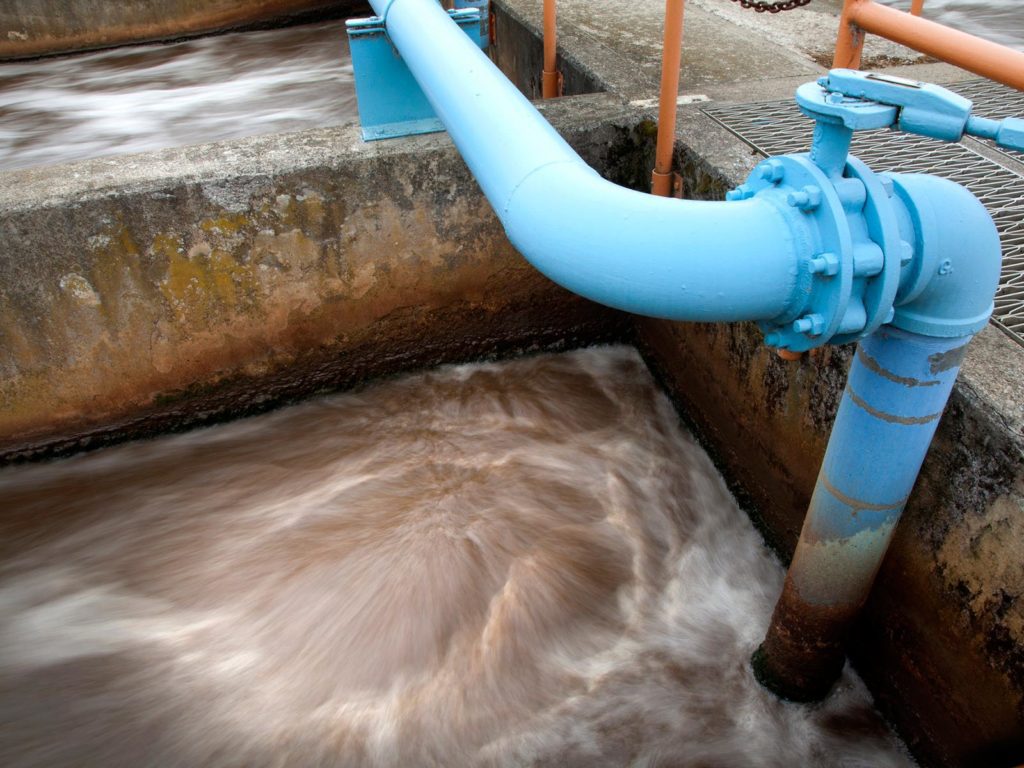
(885, 249)
(848, 278)
(947, 287)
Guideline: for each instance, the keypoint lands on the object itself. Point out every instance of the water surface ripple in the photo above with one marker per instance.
(144, 97)
(526, 563)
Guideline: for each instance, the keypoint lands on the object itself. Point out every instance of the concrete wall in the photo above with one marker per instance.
(159, 291)
(41, 27)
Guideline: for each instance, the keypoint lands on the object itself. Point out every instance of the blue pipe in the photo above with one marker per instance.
(816, 247)
(679, 260)
(898, 385)
(899, 382)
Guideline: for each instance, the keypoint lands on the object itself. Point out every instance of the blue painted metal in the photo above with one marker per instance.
(898, 385)
(936, 278)
(484, 6)
(390, 101)
(947, 289)
(897, 388)
(682, 260)
(921, 108)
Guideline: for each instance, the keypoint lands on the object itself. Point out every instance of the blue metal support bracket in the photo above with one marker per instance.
(391, 102)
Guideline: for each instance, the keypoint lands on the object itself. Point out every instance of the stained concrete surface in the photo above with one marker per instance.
(169, 289)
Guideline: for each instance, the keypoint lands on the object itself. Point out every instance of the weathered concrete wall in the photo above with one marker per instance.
(519, 52)
(41, 27)
(941, 642)
(157, 291)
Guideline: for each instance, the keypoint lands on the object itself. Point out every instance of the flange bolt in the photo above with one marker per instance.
(824, 264)
(812, 325)
(806, 199)
(773, 171)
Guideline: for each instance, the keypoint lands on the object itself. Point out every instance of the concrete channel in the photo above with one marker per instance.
(157, 292)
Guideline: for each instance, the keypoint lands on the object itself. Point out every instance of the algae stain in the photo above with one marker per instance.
(203, 282)
(228, 224)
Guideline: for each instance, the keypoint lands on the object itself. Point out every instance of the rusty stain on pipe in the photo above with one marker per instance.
(551, 78)
(661, 178)
(982, 57)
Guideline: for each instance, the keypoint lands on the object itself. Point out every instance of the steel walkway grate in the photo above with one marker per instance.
(778, 127)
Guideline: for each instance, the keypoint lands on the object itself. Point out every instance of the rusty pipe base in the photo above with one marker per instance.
(802, 655)
(899, 383)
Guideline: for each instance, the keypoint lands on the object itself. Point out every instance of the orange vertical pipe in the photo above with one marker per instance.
(550, 78)
(982, 57)
(916, 6)
(850, 42)
(671, 54)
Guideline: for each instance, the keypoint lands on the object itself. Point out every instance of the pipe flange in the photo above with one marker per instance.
(877, 290)
(825, 280)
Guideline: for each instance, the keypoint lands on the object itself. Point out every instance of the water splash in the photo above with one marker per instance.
(525, 563)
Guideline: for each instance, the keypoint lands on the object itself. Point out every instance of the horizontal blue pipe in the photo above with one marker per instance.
(680, 260)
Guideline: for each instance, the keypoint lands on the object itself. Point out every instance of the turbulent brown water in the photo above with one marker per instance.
(145, 97)
(526, 563)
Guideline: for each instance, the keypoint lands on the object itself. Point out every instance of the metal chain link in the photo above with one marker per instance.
(763, 7)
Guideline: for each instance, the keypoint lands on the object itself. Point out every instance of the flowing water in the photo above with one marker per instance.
(145, 97)
(526, 563)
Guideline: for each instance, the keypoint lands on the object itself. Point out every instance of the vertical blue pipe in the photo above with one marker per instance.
(898, 385)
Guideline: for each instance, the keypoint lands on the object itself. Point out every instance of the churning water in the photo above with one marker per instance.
(525, 563)
(146, 97)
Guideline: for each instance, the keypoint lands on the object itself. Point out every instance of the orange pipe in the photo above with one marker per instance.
(916, 7)
(671, 54)
(551, 80)
(850, 41)
(982, 57)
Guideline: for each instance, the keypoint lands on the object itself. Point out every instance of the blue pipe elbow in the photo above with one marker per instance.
(947, 289)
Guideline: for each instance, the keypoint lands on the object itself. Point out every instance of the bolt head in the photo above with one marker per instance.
(906, 253)
(824, 264)
(812, 325)
(772, 171)
(806, 199)
(887, 185)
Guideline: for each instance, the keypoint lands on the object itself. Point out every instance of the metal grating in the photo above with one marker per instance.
(776, 128)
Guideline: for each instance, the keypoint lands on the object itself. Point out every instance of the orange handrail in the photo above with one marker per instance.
(982, 57)
(671, 55)
(551, 79)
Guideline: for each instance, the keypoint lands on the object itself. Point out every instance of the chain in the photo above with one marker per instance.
(763, 7)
